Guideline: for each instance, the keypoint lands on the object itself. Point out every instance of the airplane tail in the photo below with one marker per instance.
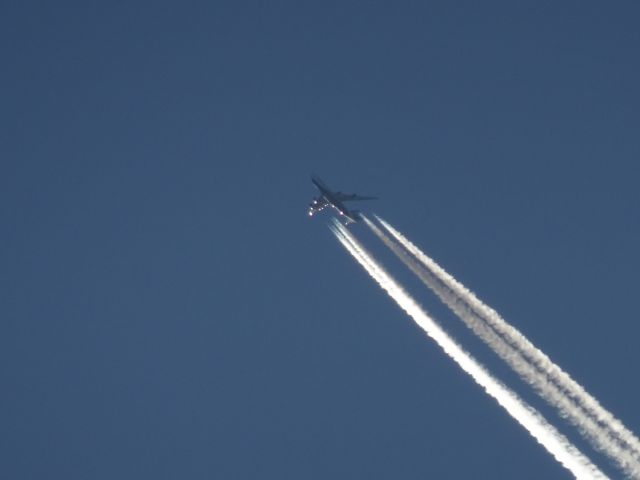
(355, 217)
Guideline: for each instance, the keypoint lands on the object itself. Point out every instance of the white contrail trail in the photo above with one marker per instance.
(608, 427)
(599, 436)
(544, 433)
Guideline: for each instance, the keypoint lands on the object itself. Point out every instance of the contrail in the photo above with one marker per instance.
(543, 432)
(596, 424)
(597, 435)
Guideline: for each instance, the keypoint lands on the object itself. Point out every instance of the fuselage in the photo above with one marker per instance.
(331, 198)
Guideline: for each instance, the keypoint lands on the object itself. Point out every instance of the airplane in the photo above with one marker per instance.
(328, 198)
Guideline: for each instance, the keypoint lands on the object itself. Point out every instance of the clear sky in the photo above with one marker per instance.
(167, 308)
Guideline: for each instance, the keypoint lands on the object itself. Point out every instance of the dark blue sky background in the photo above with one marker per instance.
(169, 311)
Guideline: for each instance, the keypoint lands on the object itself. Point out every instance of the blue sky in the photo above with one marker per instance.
(169, 310)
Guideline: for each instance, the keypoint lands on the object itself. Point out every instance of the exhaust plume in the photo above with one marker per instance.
(543, 432)
(598, 426)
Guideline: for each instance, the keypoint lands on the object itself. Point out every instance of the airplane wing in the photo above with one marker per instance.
(317, 205)
(343, 197)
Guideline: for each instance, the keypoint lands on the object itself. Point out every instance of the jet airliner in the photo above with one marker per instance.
(329, 198)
